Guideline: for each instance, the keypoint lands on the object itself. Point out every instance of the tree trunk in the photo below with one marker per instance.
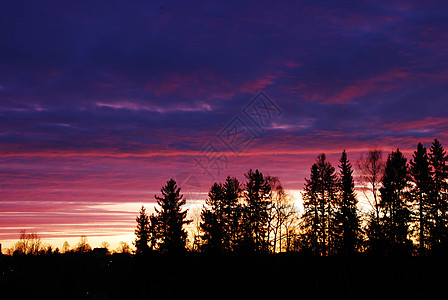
(421, 237)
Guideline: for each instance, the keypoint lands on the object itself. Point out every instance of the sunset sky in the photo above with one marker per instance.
(101, 102)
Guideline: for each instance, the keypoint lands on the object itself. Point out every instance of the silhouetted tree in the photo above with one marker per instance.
(142, 232)
(220, 217)
(123, 247)
(46, 250)
(347, 223)
(281, 215)
(438, 199)
(276, 192)
(196, 231)
(255, 215)
(290, 233)
(311, 225)
(106, 246)
(212, 224)
(319, 195)
(170, 218)
(231, 212)
(421, 177)
(371, 168)
(394, 202)
(83, 246)
(65, 247)
(29, 243)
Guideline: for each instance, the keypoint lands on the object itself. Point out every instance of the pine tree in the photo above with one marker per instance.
(319, 201)
(396, 218)
(171, 235)
(438, 198)
(421, 177)
(347, 220)
(142, 232)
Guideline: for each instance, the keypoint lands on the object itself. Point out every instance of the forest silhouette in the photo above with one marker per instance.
(407, 216)
(252, 236)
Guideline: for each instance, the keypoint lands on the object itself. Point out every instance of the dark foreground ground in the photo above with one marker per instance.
(192, 276)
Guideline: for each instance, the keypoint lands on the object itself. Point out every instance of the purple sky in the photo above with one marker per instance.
(101, 102)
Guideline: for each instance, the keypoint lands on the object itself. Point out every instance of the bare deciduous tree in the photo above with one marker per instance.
(123, 248)
(105, 245)
(281, 214)
(65, 247)
(83, 245)
(195, 231)
(29, 243)
(371, 169)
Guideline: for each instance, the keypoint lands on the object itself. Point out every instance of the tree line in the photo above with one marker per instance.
(31, 244)
(407, 213)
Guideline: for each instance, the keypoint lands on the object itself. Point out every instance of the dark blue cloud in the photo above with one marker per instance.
(102, 101)
(108, 69)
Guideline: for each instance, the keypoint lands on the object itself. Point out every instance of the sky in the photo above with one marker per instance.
(101, 102)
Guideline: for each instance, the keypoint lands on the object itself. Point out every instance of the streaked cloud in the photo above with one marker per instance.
(101, 103)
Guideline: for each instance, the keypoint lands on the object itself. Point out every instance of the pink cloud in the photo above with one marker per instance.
(428, 124)
(129, 105)
(292, 64)
(258, 84)
(64, 195)
(208, 85)
(361, 87)
(199, 85)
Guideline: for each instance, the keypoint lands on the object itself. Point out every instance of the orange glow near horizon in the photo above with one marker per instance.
(62, 197)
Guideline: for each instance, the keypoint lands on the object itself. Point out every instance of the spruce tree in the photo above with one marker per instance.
(319, 203)
(255, 215)
(142, 232)
(438, 199)
(394, 202)
(347, 220)
(311, 218)
(421, 177)
(171, 235)
(212, 223)
(231, 211)
(221, 217)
